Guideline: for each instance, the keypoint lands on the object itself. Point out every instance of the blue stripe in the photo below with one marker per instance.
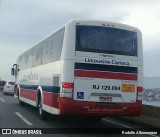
(53, 89)
(31, 87)
(111, 68)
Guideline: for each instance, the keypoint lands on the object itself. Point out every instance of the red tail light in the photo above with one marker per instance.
(67, 89)
(7, 86)
(140, 93)
(140, 89)
(67, 85)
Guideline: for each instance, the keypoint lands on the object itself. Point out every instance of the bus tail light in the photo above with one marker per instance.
(67, 90)
(139, 93)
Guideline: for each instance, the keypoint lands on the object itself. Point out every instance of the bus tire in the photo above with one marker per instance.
(21, 103)
(41, 112)
(17, 93)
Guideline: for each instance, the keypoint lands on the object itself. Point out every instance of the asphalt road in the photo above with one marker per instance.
(12, 115)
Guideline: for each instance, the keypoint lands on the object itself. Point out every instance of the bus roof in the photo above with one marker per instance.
(88, 22)
(101, 23)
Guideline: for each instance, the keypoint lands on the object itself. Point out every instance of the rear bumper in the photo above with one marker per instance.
(9, 91)
(72, 107)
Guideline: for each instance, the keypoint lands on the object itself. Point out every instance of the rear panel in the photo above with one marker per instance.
(106, 68)
(105, 83)
(102, 67)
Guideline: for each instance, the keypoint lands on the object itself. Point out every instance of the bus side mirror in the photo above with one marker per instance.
(13, 71)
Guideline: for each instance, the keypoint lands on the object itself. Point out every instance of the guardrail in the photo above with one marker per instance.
(150, 115)
(151, 111)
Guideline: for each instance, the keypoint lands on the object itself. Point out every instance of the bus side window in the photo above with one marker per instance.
(57, 45)
(38, 56)
(56, 81)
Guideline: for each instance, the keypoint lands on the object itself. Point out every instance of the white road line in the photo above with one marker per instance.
(118, 124)
(24, 119)
(126, 126)
(2, 100)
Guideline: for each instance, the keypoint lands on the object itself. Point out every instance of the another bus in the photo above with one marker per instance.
(87, 68)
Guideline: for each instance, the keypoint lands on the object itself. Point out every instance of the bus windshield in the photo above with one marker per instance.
(106, 40)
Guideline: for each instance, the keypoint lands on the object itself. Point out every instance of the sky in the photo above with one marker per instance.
(23, 23)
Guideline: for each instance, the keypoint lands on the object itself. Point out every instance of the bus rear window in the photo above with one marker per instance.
(106, 40)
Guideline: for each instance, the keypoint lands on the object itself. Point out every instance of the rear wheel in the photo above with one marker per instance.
(21, 103)
(41, 112)
(17, 93)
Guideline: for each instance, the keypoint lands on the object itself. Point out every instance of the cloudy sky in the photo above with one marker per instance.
(25, 22)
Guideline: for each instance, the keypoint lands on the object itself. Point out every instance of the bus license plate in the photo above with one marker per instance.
(105, 99)
(128, 87)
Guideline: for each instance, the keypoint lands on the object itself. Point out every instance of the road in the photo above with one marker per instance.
(12, 115)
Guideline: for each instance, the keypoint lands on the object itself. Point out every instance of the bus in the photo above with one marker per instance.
(86, 68)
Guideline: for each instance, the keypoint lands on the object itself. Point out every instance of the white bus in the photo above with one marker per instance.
(88, 68)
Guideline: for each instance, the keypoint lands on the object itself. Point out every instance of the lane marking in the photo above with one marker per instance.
(118, 124)
(24, 119)
(2, 100)
(127, 126)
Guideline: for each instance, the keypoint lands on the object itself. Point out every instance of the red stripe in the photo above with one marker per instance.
(31, 94)
(69, 106)
(140, 89)
(50, 99)
(108, 75)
